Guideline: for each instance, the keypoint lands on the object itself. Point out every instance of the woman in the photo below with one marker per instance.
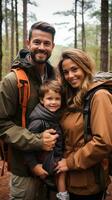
(86, 163)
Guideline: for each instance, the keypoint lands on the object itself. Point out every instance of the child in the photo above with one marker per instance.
(46, 115)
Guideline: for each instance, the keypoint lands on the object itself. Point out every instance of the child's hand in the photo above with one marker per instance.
(39, 171)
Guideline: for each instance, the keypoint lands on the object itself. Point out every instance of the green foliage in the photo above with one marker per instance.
(65, 13)
(34, 3)
(92, 29)
(56, 54)
(92, 42)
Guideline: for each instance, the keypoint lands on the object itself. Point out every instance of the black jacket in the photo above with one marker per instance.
(40, 120)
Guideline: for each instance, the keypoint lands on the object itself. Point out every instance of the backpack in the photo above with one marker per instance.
(24, 91)
(24, 94)
(87, 111)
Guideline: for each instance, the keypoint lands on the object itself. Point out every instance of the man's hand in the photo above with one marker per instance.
(39, 171)
(49, 139)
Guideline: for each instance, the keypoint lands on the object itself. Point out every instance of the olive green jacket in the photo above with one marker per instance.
(20, 139)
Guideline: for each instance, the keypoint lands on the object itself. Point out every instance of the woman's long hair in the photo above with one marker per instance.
(87, 64)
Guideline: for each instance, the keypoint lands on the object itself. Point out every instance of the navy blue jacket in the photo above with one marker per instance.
(42, 119)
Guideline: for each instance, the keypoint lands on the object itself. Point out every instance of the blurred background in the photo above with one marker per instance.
(84, 24)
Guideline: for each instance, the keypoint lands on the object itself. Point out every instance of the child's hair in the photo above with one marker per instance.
(53, 85)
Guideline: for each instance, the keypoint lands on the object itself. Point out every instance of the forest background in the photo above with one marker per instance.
(91, 29)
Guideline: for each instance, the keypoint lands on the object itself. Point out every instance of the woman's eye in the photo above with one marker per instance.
(74, 69)
(65, 72)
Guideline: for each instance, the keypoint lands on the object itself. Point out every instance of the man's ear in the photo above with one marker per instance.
(53, 46)
(28, 44)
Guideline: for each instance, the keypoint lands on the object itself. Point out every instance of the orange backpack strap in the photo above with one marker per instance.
(24, 94)
(24, 91)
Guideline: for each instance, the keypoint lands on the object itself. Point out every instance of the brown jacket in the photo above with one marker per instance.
(82, 158)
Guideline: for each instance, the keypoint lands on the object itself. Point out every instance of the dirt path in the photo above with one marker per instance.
(4, 186)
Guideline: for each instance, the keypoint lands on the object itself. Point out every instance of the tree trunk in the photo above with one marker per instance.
(75, 27)
(16, 26)
(83, 29)
(96, 44)
(0, 39)
(24, 23)
(104, 36)
(6, 36)
(111, 38)
(12, 31)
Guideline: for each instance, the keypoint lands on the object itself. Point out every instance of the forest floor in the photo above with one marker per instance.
(4, 183)
(4, 186)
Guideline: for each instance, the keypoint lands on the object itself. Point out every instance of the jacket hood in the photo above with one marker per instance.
(22, 60)
(42, 113)
(102, 78)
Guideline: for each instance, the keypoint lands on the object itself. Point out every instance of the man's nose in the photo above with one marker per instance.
(41, 46)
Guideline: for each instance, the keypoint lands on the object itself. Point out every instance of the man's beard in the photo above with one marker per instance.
(39, 61)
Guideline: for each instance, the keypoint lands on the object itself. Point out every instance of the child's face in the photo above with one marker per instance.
(51, 101)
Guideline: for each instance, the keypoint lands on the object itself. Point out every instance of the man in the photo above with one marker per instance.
(34, 62)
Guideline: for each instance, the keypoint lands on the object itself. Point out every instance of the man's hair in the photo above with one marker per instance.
(43, 26)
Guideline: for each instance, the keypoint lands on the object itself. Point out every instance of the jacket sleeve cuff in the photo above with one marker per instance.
(70, 161)
(22, 139)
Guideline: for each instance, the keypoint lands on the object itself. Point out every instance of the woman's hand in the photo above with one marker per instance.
(62, 166)
(39, 171)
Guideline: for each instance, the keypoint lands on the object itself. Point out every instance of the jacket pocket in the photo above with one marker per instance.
(80, 178)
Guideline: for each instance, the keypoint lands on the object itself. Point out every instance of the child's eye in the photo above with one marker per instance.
(49, 98)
